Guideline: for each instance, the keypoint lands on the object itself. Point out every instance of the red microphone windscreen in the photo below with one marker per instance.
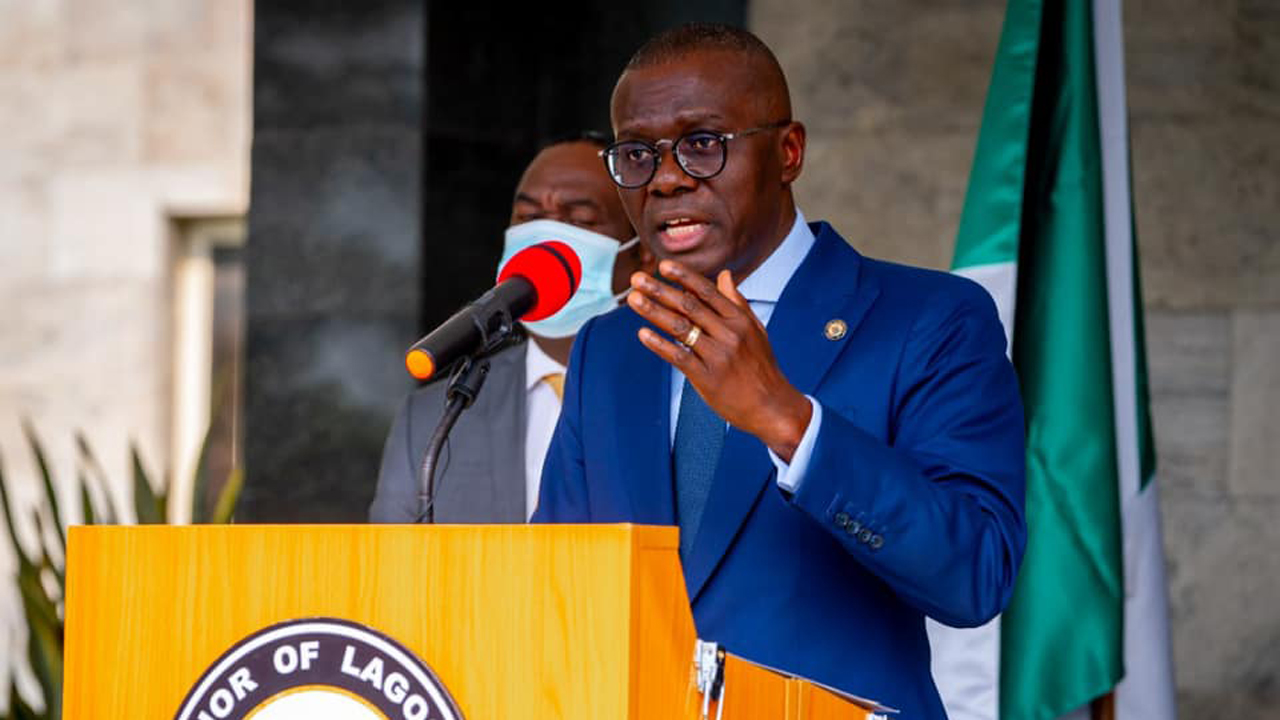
(552, 268)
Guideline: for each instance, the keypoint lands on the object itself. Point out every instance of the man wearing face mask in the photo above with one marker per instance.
(491, 468)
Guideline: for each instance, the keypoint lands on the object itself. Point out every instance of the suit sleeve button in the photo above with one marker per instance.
(864, 535)
(842, 519)
(853, 527)
(876, 542)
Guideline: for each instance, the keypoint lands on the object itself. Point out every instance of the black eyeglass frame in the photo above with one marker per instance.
(655, 148)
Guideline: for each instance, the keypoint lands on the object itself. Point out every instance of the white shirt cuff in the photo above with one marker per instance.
(790, 475)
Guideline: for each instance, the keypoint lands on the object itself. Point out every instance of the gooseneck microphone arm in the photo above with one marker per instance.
(535, 283)
(463, 389)
(483, 327)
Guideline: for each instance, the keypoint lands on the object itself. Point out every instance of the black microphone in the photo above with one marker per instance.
(534, 284)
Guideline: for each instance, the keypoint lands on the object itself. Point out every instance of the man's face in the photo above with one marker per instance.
(567, 182)
(736, 218)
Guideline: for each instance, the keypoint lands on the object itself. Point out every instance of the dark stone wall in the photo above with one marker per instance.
(388, 139)
(333, 250)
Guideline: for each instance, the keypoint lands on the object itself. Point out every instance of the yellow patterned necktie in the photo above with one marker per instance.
(556, 381)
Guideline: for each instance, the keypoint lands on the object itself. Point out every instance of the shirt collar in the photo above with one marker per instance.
(537, 365)
(766, 283)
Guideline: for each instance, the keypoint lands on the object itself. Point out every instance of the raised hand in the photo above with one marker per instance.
(723, 350)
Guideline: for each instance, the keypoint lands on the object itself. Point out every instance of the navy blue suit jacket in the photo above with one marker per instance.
(912, 503)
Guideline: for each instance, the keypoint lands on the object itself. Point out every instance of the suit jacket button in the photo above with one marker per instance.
(853, 527)
(864, 535)
(842, 519)
(876, 542)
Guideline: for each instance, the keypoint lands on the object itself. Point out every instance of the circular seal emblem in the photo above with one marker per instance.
(318, 668)
(835, 329)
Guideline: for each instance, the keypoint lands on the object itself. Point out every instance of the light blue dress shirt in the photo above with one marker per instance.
(762, 289)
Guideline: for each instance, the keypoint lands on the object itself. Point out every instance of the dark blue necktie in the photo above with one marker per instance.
(699, 437)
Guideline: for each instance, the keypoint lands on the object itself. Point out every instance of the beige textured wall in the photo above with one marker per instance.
(1205, 115)
(114, 116)
(892, 94)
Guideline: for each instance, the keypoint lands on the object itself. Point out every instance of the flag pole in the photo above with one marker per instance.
(1103, 708)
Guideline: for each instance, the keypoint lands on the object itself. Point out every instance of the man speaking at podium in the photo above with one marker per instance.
(839, 439)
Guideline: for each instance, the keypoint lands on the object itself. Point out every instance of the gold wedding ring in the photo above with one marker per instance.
(692, 337)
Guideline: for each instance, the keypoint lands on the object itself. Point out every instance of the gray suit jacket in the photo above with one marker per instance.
(480, 476)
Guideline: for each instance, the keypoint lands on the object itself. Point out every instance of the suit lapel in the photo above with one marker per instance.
(826, 287)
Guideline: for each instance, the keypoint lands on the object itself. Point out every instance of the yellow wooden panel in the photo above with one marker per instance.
(517, 621)
(663, 679)
(817, 703)
(752, 692)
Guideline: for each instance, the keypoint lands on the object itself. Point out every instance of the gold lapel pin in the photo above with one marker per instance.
(835, 329)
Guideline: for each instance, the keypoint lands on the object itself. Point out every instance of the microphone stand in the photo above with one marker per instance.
(463, 389)
(464, 386)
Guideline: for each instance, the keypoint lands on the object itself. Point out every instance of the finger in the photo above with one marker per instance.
(726, 286)
(698, 285)
(672, 323)
(674, 353)
(724, 283)
(681, 302)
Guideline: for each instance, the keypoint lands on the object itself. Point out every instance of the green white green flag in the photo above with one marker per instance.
(1047, 229)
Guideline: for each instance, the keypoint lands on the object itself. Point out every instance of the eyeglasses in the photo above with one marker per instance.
(701, 154)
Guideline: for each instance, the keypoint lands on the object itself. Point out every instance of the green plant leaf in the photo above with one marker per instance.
(226, 507)
(18, 550)
(44, 651)
(145, 502)
(46, 562)
(87, 514)
(18, 708)
(109, 514)
(162, 497)
(200, 511)
(45, 628)
(206, 509)
(36, 603)
(46, 477)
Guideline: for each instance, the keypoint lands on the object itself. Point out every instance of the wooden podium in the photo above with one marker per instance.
(516, 621)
